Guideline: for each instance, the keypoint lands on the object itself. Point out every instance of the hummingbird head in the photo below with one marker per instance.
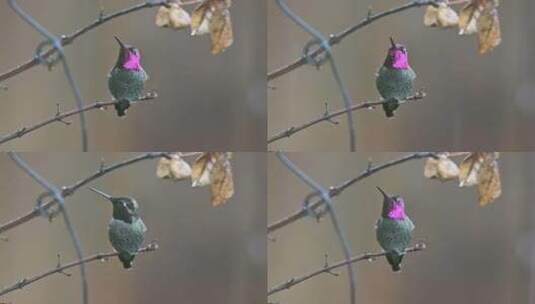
(129, 57)
(393, 207)
(124, 208)
(397, 56)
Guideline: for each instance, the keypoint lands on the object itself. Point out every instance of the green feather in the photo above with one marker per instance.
(394, 236)
(126, 86)
(394, 85)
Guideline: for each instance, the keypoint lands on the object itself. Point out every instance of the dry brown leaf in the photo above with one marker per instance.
(468, 19)
(443, 168)
(489, 33)
(477, 168)
(213, 168)
(489, 187)
(213, 16)
(469, 169)
(442, 16)
(222, 180)
(430, 168)
(430, 16)
(201, 168)
(173, 16)
(481, 17)
(200, 19)
(221, 31)
(175, 168)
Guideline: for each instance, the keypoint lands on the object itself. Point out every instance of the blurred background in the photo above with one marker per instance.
(473, 255)
(473, 101)
(206, 254)
(205, 102)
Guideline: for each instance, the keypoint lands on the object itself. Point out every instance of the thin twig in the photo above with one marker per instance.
(327, 116)
(68, 39)
(60, 116)
(325, 46)
(335, 39)
(58, 197)
(61, 268)
(334, 218)
(337, 190)
(70, 190)
(328, 268)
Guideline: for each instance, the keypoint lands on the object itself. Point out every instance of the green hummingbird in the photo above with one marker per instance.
(127, 78)
(395, 78)
(394, 229)
(126, 229)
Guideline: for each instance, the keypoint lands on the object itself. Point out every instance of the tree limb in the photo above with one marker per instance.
(58, 197)
(319, 190)
(337, 190)
(70, 190)
(69, 39)
(60, 116)
(328, 268)
(335, 39)
(328, 116)
(61, 268)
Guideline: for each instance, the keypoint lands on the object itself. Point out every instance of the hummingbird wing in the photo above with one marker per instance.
(143, 227)
(145, 75)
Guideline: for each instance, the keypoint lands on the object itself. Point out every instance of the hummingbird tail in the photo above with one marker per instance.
(394, 260)
(121, 106)
(127, 260)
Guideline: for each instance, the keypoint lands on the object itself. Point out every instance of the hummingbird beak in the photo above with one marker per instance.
(108, 197)
(382, 192)
(391, 41)
(121, 44)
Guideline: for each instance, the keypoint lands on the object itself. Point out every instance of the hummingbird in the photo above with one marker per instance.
(395, 78)
(126, 229)
(394, 229)
(127, 77)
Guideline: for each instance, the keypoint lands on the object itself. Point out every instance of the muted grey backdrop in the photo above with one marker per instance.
(474, 102)
(206, 254)
(206, 102)
(474, 254)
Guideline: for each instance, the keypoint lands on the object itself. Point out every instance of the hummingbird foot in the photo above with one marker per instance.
(121, 106)
(390, 106)
(127, 260)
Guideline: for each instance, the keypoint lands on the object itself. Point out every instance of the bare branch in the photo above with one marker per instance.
(334, 219)
(58, 197)
(61, 268)
(337, 190)
(328, 268)
(335, 39)
(70, 190)
(60, 116)
(327, 116)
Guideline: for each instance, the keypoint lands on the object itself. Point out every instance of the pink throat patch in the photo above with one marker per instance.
(400, 59)
(132, 62)
(397, 212)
